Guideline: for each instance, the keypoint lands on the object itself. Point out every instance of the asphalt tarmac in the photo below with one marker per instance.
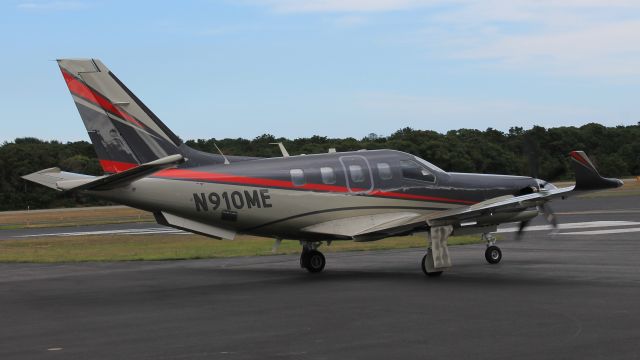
(572, 295)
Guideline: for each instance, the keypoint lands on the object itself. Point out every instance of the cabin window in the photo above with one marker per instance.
(297, 177)
(356, 173)
(384, 171)
(328, 175)
(412, 170)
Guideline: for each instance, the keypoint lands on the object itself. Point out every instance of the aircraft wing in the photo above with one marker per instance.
(507, 208)
(369, 227)
(503, 209)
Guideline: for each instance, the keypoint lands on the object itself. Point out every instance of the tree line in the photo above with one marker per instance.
(538, 152)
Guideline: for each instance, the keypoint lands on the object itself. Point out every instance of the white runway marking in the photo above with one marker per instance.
(157, 230)
(602, 232)
(578, 225)
(168, 231)
(511, 229)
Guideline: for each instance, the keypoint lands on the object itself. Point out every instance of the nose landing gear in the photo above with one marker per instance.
(492, 254)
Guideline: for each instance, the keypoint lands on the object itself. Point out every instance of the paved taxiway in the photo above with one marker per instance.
(562, 296)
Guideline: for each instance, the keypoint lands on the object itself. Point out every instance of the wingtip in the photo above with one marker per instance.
(587, 176)
(582, 158)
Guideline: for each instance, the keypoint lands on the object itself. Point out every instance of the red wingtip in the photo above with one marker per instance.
(578, 157)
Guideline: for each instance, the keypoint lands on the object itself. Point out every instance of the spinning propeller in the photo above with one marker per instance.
(549, 215)
(545, 209)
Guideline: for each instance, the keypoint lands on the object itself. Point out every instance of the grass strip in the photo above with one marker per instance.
(178, 247)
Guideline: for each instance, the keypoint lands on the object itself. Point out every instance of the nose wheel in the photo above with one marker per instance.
(493, 254)
(312, 260)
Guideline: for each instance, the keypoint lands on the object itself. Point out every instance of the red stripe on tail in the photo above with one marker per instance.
(78, 88)
(111, 166)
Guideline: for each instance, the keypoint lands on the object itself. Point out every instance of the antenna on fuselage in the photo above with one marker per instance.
(284, 151)
(226, 161)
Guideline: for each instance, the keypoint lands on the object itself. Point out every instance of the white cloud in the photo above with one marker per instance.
(493, 8)
(349, 21)
(583, 38)
(53, 5)
(438, 113)
(607, 49)
(341, 5)
(572, 37)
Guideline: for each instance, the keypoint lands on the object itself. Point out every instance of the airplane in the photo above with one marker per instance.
(363, 195)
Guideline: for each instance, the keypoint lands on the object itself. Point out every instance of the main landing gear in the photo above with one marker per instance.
(427, 263)
(312, 259)
(492, 254)
(437, 259)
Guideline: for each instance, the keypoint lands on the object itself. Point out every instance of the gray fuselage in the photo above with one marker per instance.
(278, 197)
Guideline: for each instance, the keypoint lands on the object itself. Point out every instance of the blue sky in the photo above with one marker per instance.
(335, 68)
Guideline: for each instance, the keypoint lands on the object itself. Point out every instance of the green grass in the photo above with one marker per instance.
(75, 224)
(178, 247)
(11, 220)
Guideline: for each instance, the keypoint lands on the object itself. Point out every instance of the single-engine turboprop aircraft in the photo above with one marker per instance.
(361, 195)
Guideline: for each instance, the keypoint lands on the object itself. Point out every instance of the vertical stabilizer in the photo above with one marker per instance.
(124, 132)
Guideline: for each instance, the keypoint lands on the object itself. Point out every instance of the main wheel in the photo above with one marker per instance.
(424, 267)
(493, 254)
(313, 261)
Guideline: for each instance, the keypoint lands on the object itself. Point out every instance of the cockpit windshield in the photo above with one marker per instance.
(428, 164)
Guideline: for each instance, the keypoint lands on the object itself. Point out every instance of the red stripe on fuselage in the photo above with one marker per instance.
(419, 197)
(245, 180)
(115, 166)
(78, 88)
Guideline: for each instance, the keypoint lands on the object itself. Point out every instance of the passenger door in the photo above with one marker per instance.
(357, 173)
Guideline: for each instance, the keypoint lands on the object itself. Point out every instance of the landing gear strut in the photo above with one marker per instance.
(492, 254)
(312, 259)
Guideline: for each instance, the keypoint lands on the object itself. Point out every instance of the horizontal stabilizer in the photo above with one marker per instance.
(50, 177)
(56, 179)
(587, 176)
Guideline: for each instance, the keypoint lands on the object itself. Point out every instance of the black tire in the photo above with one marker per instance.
(313, 261)
(304, 259)
(423, 264)
(493, 254)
